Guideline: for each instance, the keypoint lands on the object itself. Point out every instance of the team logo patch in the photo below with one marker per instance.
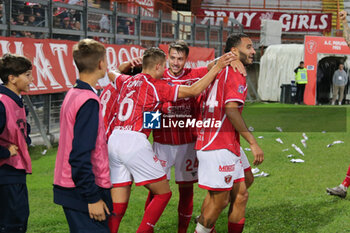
(151, 120)
(311, 46)
(170, 84)
(241, 89)
(228, 179)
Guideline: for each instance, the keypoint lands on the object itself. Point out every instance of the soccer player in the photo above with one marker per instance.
(341, 189)
(15, 162)
(175, 145)
(131, 155)
(109, 98)
(82, 179)
(220, 168)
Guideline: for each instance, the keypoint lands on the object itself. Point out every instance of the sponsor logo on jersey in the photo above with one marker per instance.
(228, 179)
(151, 120)
(227, 168)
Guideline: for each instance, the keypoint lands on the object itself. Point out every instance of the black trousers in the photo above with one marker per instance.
(14, 208)
(300, 93)
(80, 222)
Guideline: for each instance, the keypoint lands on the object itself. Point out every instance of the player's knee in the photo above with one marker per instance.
(242, 198)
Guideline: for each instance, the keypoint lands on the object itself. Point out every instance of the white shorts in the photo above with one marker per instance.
(219, 169)
(183, 157)
(131, 158)
(245, 161)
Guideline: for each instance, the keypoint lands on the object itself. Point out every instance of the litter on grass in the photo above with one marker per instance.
(297, 161)
(255, 170)
(290, 156)
(279, 129)
(305, 137)
(44, 152)
(303, 141)
(260, 137)
(262, 174)
(284, 150)
(279, 140)
(251, 129)
(247, 149)
(298, 149)
(335, 142)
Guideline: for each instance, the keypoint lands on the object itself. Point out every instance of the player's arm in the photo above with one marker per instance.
(346, 32)
(235, 117)
(236, 64)
(196, 88)
(125, 67)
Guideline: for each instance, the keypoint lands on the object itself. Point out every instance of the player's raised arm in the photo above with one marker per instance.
(237, 121)
(346, 32)
(196, 88)
(125, 67)
(236, 65)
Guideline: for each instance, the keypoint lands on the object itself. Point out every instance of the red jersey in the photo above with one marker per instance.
(138, 94)
(108, 98)
(180, 110)
(229, 86)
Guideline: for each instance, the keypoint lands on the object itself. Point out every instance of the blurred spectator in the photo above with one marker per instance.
(20, 19)
(66, 23)
(76, 26)
(104, 23)
(120, 40)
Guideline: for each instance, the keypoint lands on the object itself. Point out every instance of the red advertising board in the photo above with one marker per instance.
(315, 45)
(251, 20)
(53, 66)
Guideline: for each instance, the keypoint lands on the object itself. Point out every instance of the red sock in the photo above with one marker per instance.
(346, 182)
(236, 227)
(185, 208)
(116, 217)
(149, 199)
(153, 212)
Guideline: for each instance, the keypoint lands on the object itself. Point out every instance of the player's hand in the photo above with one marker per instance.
(342, 15)
(13, 149)
(237, 65)
(98, 210)
(258, 154)
(226, 59)
(136, 62)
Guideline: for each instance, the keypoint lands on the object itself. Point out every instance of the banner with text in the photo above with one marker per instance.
(53, 66)
(291, 22)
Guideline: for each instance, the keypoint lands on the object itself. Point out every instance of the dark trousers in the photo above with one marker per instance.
(80, 222)
(300, 93)
(14, 208)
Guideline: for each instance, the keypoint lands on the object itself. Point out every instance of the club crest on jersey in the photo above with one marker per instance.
(151, 120)
(228, 179)
(241, 89)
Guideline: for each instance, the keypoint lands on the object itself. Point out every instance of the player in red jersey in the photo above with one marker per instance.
(220, 168)
(131, 154)
(109, 97)
(175, 145)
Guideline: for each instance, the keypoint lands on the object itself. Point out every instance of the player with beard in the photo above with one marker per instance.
(220, 168)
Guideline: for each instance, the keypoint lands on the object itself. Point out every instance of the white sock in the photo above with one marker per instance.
(202, 229)
(343, 187)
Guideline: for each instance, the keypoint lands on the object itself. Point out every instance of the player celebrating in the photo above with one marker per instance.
(131, 154)
(220, 168)
(176, 145)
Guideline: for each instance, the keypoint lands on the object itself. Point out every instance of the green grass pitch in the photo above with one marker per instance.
(291, 199)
